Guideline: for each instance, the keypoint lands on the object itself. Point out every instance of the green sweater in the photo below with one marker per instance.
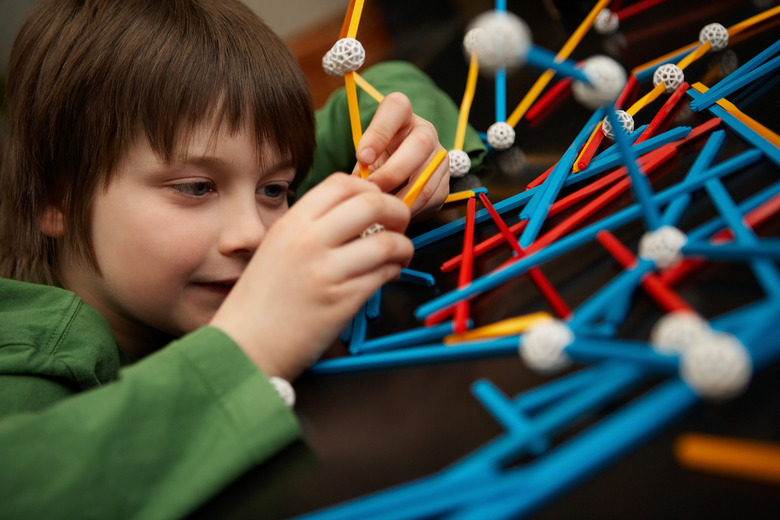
(86, 433)
(86, 436)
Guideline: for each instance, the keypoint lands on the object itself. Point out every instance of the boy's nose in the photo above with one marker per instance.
(242, 231)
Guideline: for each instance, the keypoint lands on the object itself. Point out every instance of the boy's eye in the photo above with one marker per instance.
(194, 189)
(274, 191)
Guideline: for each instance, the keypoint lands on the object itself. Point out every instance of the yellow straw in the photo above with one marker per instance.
(646, 99)
(347, 20)
(695, 55)
(368, 88)
(465, 105)
(751, 459)
(460, 195)
(418, 185)
(354, 115)
(733, 31)
(507, 327)
(753, 20)
(564, 53)
(745, 119)
(357, 10)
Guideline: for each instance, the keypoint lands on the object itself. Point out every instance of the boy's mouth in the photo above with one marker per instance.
(220, 287)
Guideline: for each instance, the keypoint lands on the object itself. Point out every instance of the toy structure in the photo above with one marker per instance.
(690, 357)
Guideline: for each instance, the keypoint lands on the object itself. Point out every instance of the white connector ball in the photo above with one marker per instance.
(663, 246)
(717, 368)
(372, 229)
(499, 39)
(346, 55)
(626, 123)
(284, 389)
(607, 78)
(606, 22)
(460, 163)
(670, 74)
(716, 34)
(677, 331)
(542, 347)
(501, 135)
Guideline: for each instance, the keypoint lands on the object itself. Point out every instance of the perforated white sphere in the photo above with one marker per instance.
(542, 347)
(372, 229)
(670, 74)
(716, 34)
(501, 135)
(329, 66)
(502, 39)
(460, 163)
(676, 331)
(717, 368)
(626, 123)
(346, 55)
(606, 22)
(607, 79)
(470, 40)
(663, 246)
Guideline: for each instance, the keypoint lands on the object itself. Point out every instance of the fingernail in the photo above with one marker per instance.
(367, 156)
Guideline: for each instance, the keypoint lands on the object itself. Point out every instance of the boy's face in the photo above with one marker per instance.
(172, 239)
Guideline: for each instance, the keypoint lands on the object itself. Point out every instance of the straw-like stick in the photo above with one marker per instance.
(418, 185)
(507, 327)
(354, 115)
(369, 89)
(465, 105)
(750, 459)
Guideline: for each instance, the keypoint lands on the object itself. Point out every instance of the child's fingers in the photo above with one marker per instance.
(350, 218)
(409, 159)
(359, 258)
(392, 116)
(331, 192)
(433, 194)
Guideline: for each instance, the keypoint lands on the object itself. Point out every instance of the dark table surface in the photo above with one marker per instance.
(367, 431)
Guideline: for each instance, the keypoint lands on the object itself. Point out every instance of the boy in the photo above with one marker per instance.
(152, 149)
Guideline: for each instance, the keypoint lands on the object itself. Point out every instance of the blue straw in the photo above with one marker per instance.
(500, 84)
(418, 355)
(767, 248)
(554, 182)
(543, 59)
(417, 277)
(744, 75)
(514, 422)
(639, 183)
(703, 161)
(409, 338)
(748, 134)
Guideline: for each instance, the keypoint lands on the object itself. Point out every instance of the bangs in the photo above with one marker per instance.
(185, 63)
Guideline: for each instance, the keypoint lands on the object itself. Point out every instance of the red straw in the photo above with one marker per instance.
(548, 101)
(537, 277)
(466, 268)
(637, 8)
(667, 299)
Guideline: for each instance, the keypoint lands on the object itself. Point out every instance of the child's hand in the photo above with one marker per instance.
(397, 145)
(312, 273)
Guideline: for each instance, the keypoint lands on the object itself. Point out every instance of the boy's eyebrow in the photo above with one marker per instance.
(221, 162)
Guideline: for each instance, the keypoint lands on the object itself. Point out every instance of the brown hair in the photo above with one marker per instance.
(88, 77)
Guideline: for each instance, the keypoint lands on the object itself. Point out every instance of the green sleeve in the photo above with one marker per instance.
(335, 149)
(170, 432)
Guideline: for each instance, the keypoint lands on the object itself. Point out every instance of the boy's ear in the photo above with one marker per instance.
(52, 222)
